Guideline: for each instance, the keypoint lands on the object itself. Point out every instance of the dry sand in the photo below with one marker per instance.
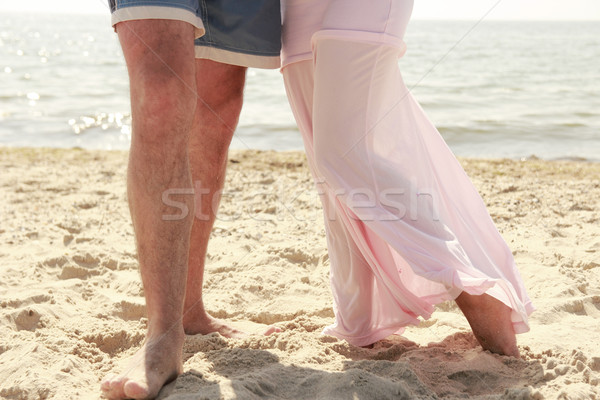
(71, 305)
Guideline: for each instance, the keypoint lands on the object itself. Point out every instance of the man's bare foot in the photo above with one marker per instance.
(490, 321)
(159, 361)
(205, 324)
(202, 323)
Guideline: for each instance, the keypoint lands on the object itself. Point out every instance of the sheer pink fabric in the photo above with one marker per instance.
(406, 229)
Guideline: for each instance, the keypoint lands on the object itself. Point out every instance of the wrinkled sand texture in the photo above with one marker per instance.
(71, 302)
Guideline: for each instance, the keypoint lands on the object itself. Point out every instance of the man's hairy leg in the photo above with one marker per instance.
(220, 97)
(160, 61)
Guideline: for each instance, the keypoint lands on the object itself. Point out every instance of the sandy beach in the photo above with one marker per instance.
(72, 306)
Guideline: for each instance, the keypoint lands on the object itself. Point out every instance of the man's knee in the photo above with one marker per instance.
(220, 89)
(158, 100)
(162, 111)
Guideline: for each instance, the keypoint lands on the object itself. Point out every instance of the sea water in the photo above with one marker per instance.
(494, 89)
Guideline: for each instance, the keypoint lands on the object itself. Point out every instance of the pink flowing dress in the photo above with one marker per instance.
(405, 227)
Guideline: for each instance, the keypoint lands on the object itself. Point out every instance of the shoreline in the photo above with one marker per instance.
(531, 157)
(72, 307)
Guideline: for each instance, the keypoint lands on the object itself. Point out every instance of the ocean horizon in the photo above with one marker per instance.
(497, 89)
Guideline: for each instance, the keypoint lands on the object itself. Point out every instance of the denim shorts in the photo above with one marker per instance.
(237, 32)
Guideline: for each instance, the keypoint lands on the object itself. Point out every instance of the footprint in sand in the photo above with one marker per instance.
(129, 310)
(28, 319)
(81, 267)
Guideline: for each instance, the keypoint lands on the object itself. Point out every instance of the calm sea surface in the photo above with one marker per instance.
(507, 89)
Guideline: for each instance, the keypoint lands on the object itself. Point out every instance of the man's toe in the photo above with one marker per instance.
(135, 390)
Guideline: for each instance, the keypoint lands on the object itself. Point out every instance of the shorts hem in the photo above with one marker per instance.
(237, 58)
(158, 12)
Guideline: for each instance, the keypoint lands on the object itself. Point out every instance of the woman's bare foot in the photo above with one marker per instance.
(159, 361)
(490, 321)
